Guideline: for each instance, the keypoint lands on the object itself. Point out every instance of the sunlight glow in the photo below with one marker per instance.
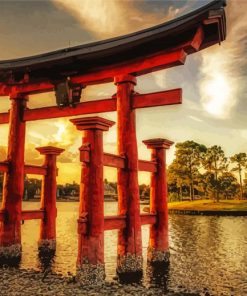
(218, 92)
(218, 88)
(61, 129)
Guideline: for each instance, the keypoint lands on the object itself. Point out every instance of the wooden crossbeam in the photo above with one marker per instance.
(138, 66)
(29, 169)
(114, 222)
(162, 98)
(26, 215)
(148, 219)
(142, 65)
(112, 160)
(34, 169)
(116, 161)
(147, 166)
(117, 222)
(32, 214)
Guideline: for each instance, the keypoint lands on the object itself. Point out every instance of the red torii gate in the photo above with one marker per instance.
(120, 60)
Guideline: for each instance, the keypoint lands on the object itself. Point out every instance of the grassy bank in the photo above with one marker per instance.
(209, 206)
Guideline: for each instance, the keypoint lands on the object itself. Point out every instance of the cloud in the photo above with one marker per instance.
(221, 68)
(113, 18)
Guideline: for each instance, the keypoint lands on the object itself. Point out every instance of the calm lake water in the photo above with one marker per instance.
(208, 254)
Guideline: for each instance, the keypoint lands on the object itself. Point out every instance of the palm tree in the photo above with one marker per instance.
(240, 159)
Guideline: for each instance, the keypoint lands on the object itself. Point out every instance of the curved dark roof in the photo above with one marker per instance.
(85, 58)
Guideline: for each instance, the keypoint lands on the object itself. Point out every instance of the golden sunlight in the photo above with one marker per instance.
(218, 87)
(217, 91)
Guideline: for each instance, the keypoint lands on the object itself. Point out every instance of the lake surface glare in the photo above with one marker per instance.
(208, 254)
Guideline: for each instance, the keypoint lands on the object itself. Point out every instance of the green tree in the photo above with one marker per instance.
(215, 163)
(228, 185)
(189, 155)
(240, 160)
(175, 179)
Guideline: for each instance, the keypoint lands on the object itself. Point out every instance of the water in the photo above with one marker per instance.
(208, 254)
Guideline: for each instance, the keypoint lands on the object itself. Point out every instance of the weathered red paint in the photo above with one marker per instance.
(129, 239)
(158, 195)
(91, 244)
(49, 192)
(10, 228)
(162, 98)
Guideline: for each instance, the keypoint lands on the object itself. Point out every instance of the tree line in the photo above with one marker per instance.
(199, 170)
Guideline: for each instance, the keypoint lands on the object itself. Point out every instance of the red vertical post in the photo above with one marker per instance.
(90, 260)
(158, 251)
(10, 228)
(47, 240)
(130, 259)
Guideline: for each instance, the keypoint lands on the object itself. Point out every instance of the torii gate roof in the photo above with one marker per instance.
(155, 48)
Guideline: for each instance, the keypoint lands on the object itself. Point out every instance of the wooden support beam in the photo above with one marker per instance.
(13, 187)
(32, 214)
(4, 166)
(35, 170)
(114, 222)
(147, 166)
(91, 207)
(159, 239)
(115, 161)
(162, 98)
(47, 239)
(148, 219)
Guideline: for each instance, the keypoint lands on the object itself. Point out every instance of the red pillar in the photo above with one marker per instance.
(47, 240)
(90, 260)
(129, 239)
(158, 250)
(10, 228)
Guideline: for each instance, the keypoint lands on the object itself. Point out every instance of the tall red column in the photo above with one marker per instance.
(129, 239)
(10, 228)
(47, 240)
(158, 250)
(90, 260)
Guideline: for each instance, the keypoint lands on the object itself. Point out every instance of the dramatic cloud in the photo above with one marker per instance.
(221, 82)
(112, 18)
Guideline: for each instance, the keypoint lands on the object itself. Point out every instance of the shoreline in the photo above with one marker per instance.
(205, 207)
(207, 213)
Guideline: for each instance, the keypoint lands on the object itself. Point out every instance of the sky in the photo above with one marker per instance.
(214, 80)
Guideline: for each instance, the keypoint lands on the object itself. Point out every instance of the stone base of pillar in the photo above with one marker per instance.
(10, 255)
(89, 274)
(47, 246)
(157, 257)
(130, 268)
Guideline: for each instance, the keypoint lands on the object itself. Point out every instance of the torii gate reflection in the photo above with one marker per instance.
(68, 71)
